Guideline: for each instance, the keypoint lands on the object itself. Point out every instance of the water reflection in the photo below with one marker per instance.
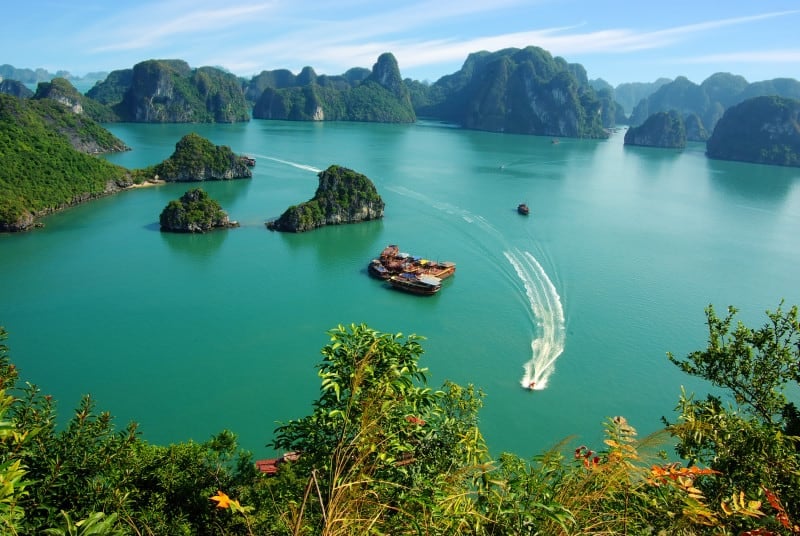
(753, 181)
(200, 245)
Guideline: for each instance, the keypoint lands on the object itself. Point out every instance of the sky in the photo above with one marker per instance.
(616, 40)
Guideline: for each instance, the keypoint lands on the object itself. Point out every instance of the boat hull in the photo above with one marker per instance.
(414, 284)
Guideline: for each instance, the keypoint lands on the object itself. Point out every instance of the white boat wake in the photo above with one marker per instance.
(548, 313)
(289, 163)
(546, 310)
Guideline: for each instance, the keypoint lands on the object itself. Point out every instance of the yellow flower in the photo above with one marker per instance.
(223, 501)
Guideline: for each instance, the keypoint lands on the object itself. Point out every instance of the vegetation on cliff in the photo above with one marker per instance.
(62, 91)
(382, 452)
(379, 97)
(523, 91)
(169, 91)
(343, 196)
(197, 159)
(15, 88)
(662, 129)
(194, 212)
(762, 130)
(41, 171)
(711, 98)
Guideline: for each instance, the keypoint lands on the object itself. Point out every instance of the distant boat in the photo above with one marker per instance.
(523, 209)
(424, 285)
(249, 161)
(555, 141)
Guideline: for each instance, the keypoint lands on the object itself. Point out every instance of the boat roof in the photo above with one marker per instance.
(429, 279)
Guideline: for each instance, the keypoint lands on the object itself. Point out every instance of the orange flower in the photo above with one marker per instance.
(223, 501)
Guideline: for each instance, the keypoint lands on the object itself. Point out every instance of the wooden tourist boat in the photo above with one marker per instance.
(424, 285)
(393, 262)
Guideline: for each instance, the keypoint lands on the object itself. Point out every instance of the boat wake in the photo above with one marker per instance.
(548, 313)
(546, 310)
(289, 163)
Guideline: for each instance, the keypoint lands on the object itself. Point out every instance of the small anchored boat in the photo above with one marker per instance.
(523, 209)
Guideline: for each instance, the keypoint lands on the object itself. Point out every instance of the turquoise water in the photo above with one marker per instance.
(189, 335)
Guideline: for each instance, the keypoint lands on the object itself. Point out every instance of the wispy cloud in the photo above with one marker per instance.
(359, 41)
(750, 56)
(148, 27)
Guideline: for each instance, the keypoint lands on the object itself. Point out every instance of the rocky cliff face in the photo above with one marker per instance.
(343, 196)
(169, 91)
(523, 91)
(763, 130)
(61, 91)
(662, 129)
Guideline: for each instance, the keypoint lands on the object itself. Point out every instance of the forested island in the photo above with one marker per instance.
(386, 453)
(763, 130)
(49, 159)
(194, 212)
(343, 196)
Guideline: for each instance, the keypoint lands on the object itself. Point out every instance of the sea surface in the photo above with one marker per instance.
(192, 334)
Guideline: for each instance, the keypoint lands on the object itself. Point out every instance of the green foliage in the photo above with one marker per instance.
(379, 97)
(380, 444)
(97, 524)
(196, 158)
(194, 212)
(113, 482)
(761, 130)
(61, 90)
(751, 435)
(343, 196)
(169, 91)
(662, 129)
(111, 90)
(524, 91)
(40, 170)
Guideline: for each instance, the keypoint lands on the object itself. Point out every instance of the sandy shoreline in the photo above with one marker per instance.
(147, 184)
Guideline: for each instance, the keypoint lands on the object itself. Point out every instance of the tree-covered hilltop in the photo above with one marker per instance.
(62, 91)
(763, 130)
(523, 91)
(343, 196)
(197, 159)
(379, 97)
(194, 212)
(662, 129)
(383, 452)
(40, 170)
(710, 99)
(169, 91)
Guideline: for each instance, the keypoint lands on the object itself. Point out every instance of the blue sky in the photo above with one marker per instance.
(619, 41)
